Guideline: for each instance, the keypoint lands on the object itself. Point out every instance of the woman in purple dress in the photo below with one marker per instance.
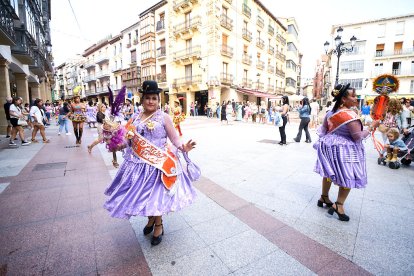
(340, 152)
(142, 185)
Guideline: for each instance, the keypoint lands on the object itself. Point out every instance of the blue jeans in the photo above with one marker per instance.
(63, 122)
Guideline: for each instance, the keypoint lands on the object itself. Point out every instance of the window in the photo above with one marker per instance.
(129, 38)
(188, 71)
(225, 67)
(134, 56)
(188, 19)
(290, 82)
(380, 50)
(399, 30)
(291, 65)
(381, 30)
(412, 67)
(291, 47)
(355, 83)
(120, 47)
(412, 86)
(354, 66)
(378, 69)
(114, 50)
(292, 30)
(396, 68)
(398, 48)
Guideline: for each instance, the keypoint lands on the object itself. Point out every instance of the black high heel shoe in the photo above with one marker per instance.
(157, 240)
(148, 229)
(320, 202)
(341, 217)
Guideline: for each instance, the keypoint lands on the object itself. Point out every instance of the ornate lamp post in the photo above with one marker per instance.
(339, 49)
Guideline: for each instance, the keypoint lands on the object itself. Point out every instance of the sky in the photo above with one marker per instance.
(92, 20)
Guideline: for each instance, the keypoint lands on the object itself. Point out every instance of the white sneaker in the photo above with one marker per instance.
(68, 133)
(26, 143)
(58, 133)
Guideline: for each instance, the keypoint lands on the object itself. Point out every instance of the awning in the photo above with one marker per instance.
(257, 93)
(295, 97)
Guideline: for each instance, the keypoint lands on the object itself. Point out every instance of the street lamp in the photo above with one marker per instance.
(339, 49)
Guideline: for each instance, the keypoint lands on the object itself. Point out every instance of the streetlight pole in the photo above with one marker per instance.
(339, 49)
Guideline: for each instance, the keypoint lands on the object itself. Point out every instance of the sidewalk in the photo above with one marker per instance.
(52, 221)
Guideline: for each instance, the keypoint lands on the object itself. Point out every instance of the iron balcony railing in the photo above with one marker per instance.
(161, 52)
(226, 22)
(162, 77)
(102, 74)
(271, 30)
(150, 77)
(247, 34)
(102, 59)
(260, 64)
(90, 64)
(191, 52)
(226, 78)
(189, 80)
(247, 11)
(22, 47)
(270, 69)
(280, 56)
(226, 50)
(102, 89)
(7, 21)
(280, 73)
(246, 82)
(270, 88)
(407, 51)
(184, 27)
(89, 78)
(260, 22)
(279, 90)
(260, 43)
(259, 85)
(280, 39)
(247, 59)
(89, 92)
(271, 50)
(160, 26)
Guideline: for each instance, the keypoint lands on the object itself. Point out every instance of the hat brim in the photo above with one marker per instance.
(159, 90)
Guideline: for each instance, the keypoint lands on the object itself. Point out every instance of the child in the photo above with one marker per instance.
(395, 145)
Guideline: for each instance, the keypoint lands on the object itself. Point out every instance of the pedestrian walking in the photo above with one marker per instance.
(63, 118)
(304, 115)
(6, 106)
(17, 120)
(340, 151)
(314, 122)
(100, 117)
(178, 116)
(141, 186)
(37, 114)
(90, 114)
(284, 113)
(78, 116)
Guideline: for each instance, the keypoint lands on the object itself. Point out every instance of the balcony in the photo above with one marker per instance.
(260, 64)
(270, 69)
(7, 31)
(89, 64)
(102, 59)
(271, 50)
(116, 69)
(280, 73)
(280, 39)
(260, 22)
(260, 43)
(226, 22)
(161, 52)
(280, 56)
(160, 26)
(89, 78)
(187, 27)
(102, 90)
(227, 51)
(397, 53)
(226, 78)
(247, 34)
(270, 88)
(188, 81)
(259, 85)
(102, 74)
(246, 83)
(162, 77)
(246, 59)
(135, 41)
(247, 11)
(271, 30)
(89, 92)
(187, 55)
(280, 91)
(22, 50)
(184, 6)
(38, 65)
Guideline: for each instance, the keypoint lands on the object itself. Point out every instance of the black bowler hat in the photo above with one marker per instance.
(150, 87)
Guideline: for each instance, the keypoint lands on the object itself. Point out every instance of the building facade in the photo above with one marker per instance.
(384, 46)
(25, 52)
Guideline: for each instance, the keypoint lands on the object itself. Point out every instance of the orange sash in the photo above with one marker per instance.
(340, 118)
(163, 160)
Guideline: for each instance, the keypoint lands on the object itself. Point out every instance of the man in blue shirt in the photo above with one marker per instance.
(366, 114)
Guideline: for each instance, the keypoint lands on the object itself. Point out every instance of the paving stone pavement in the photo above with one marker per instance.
(256, 214)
